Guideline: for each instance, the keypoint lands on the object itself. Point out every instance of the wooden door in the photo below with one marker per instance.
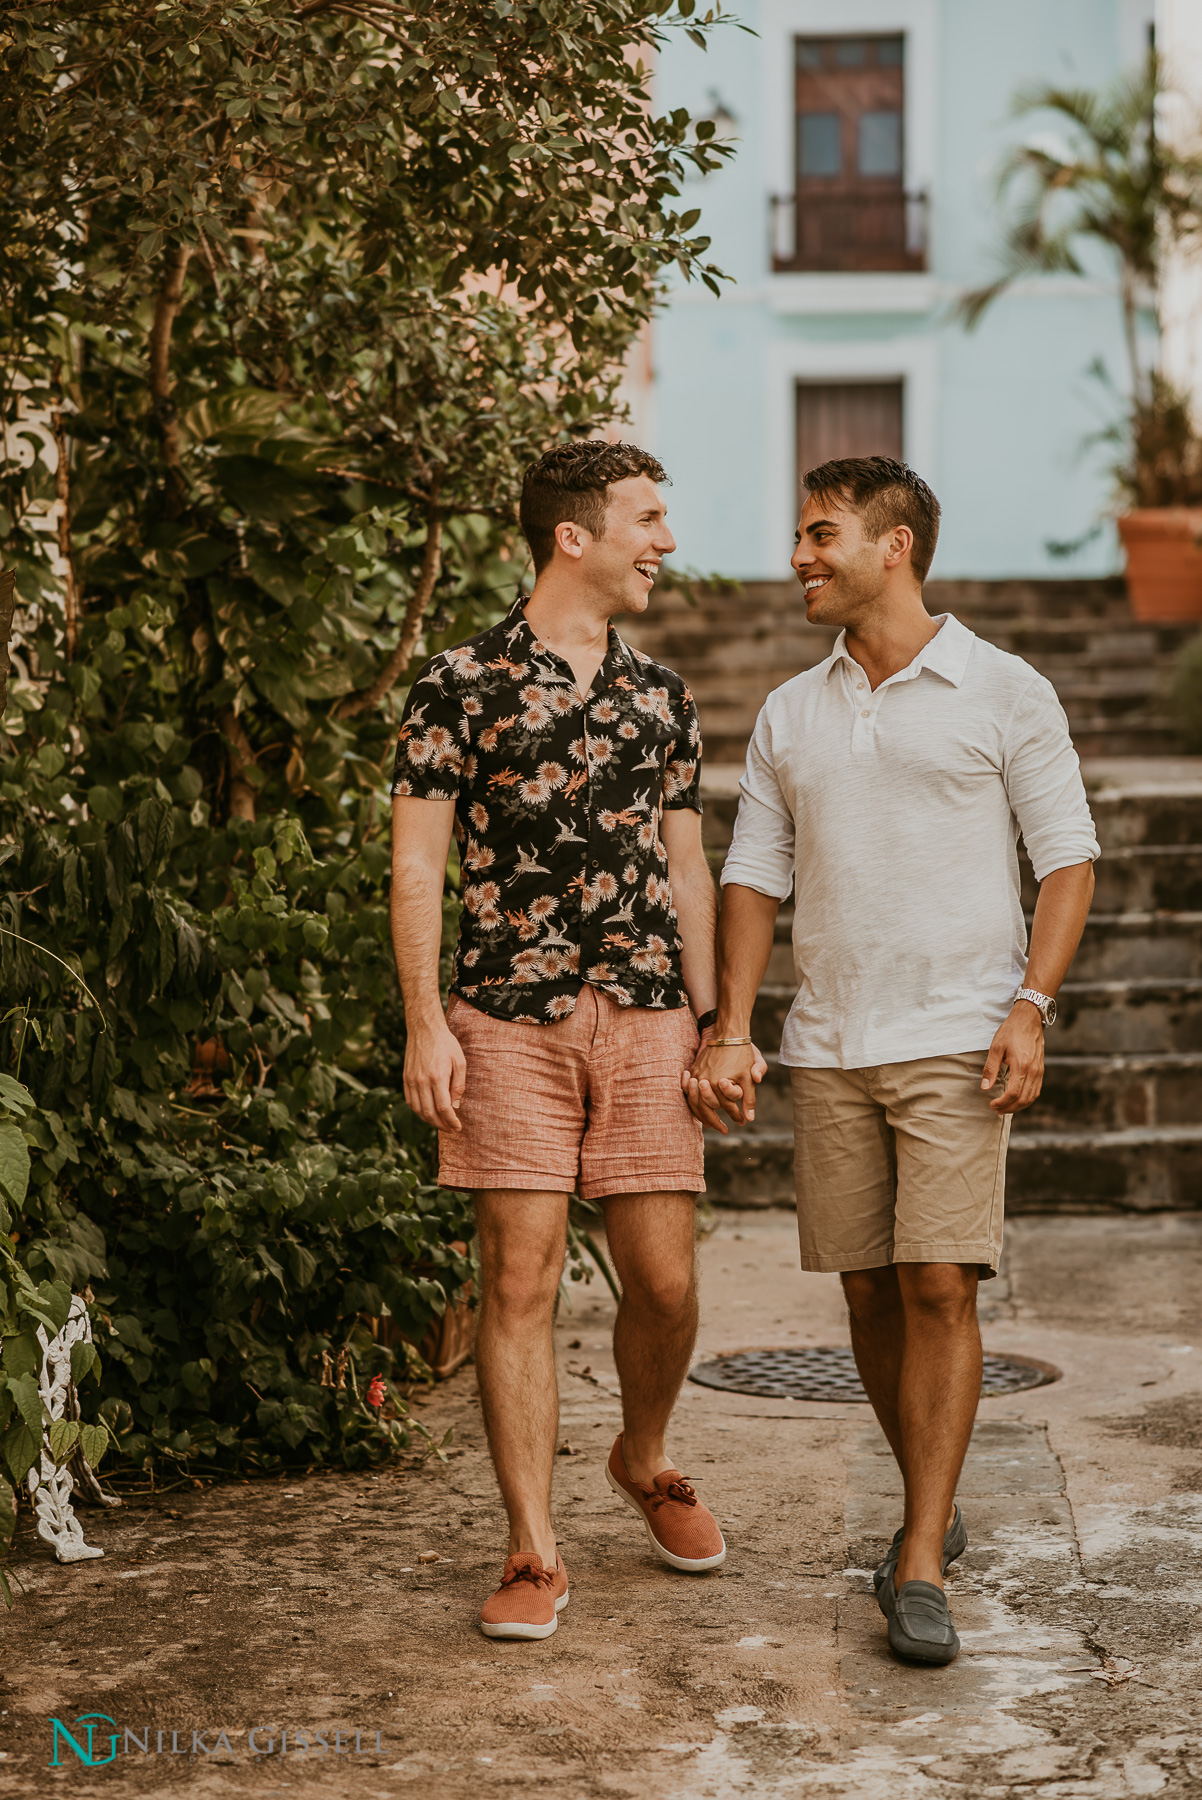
(851, 201)
(847, 418)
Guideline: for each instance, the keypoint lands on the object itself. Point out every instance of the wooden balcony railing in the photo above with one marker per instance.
(853, 232)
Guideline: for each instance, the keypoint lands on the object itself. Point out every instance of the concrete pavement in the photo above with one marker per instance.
(303, 1605)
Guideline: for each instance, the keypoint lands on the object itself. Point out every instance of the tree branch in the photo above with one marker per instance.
(241, 758)
(411, 626)
(62, 484)
(167, 305)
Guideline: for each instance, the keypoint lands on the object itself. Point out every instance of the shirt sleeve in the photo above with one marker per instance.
(682, 775)
(433, 739)
(764, 846)
(1043, 781)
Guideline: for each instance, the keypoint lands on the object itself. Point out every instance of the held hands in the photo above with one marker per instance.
(1017, 1054)
(435, 1076)
(723, 1077)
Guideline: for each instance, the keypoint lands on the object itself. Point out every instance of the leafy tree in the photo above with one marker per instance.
(291, 293)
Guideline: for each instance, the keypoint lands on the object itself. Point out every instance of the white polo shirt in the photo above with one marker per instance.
(895, 816)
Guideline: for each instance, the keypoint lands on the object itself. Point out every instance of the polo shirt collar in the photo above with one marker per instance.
(946, 654)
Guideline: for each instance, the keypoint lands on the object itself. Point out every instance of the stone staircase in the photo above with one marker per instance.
(1110, 672)
(1119, 1124)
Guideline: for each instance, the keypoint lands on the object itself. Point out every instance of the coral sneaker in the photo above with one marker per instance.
(681, 1531)
(529, 1600)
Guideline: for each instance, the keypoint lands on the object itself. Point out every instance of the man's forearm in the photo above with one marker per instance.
(1060, 914)
(746, 928)
(416, 916)
(696, 920)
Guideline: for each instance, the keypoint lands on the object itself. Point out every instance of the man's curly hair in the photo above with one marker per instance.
(572, 481)
(884, 493)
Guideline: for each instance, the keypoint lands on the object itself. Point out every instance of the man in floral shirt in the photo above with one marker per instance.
(567, 765)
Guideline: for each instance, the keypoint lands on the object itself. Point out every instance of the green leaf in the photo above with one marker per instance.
(263, 489)
(14, 1162)
(64, 1435)
(106, 803)
(86, 680)
(93, 1442)
(235, 409)
(21, 1448)
(55, 1299)
(22, 1354)
(85, 1360)
(15, 1095)
(24, 1390)
(184, 552)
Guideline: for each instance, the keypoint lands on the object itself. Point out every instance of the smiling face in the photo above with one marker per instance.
(845, 573)
(620, 567)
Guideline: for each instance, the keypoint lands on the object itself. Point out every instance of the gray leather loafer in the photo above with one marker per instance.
(920, 1625)
(955, 1543)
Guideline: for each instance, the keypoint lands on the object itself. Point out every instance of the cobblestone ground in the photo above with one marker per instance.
(303, 1606)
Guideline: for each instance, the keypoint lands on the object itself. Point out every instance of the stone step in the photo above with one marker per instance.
(1127, 946)
(1140, 1169)
(1115, 947)
(1111, 1092)
(1142, 1016)
(1111, 671)
(1124, 819)
(764, 658)
(1102, 1092)
(1141, 878)
(1145, 878)
(1094, 1016)
(726, 738)
(1034, 603)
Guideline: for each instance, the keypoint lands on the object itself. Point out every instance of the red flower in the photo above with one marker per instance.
(376, 1394)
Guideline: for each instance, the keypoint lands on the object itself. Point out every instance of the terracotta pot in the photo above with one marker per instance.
(1164, 561)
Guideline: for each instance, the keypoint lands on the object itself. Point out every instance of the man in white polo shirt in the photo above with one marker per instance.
(887, 788)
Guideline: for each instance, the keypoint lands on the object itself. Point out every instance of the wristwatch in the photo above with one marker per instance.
(1044, 1003)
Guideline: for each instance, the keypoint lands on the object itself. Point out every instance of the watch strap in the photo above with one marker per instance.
(1044, 1003)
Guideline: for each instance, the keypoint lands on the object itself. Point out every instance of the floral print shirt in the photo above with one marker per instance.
(557, 809)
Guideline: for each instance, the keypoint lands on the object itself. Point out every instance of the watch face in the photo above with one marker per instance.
(1049, 1017)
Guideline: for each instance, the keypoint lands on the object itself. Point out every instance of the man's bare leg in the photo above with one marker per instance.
(878, 1340)
(918, 1348)
(522, 1243)
(652, 1239)
(937, 1401)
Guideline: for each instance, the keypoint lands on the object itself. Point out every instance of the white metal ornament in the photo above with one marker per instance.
(51, 1488)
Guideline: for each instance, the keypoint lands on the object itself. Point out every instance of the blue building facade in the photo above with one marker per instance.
(861, 204)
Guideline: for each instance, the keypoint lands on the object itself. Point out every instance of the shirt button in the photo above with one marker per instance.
(864, 714)
(596, 864)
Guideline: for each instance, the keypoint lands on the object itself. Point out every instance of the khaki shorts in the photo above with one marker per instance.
(591, 1104)
(904, 1163)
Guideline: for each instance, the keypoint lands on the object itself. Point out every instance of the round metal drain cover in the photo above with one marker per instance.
(823, 1373)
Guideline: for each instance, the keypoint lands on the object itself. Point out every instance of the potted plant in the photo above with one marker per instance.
(1112, 179)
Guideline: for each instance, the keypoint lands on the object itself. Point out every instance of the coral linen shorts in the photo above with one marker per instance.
(900, 1164)
(591, 1104)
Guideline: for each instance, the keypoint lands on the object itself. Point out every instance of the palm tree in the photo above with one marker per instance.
(1111, 180)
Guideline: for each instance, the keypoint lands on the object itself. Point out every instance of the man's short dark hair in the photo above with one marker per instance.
(572, 481)
(884, 493)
